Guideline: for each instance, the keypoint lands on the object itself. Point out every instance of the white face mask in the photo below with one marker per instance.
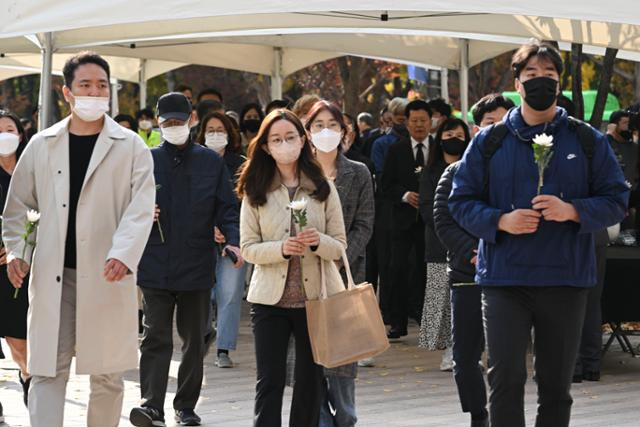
(217, 141)
(176, 135)
(326, 140)
(145, 124)
(434, 124)
(8, 143)
(90, 108)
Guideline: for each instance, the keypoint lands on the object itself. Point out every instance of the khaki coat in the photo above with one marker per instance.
(113, 220)
(263, 230)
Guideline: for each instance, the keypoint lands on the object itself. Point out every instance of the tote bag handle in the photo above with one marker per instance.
(323, 276)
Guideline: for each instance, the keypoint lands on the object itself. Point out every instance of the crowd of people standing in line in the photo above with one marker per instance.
(444, 219)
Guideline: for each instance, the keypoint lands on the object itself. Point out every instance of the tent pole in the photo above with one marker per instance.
(464, 79)
(142, 81)
(115, 102)
(276, 76)
(444, 84)
(44, 101)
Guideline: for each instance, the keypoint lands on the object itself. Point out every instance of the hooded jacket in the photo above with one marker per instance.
(558, 253)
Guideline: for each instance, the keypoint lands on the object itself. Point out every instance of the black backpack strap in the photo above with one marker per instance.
(587, 139)
(492, 143)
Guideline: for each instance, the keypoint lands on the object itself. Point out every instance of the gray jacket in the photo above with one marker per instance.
(355, 189)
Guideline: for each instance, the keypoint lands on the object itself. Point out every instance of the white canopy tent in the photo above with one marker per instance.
(117, 24)
(125, 69)
(277, 53)
(165, 18)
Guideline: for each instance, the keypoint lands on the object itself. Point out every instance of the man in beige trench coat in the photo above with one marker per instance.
(92, 182)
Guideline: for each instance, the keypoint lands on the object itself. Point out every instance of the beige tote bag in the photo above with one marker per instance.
(345, 327)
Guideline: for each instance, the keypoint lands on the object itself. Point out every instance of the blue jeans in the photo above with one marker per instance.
(227, 294)
(341, 395)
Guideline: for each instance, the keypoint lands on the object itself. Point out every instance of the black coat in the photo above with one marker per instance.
(233, 162)
(194, 194)
(399, 177)
(434, 251)
(456, 240)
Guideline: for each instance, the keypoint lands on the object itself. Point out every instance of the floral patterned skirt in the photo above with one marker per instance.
(435, 327)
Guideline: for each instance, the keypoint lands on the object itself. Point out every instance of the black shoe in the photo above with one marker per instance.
(395, 333)
(480, 423)
(186, 417)
(1, 414)
(577, 379)
(591, 376)
(147, 417)
(140, 325)
(25, 389)
(208, 341)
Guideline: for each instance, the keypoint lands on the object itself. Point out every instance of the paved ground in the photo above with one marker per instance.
(404, 389)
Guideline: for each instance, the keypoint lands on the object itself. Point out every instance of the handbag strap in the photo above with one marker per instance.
(323, 277)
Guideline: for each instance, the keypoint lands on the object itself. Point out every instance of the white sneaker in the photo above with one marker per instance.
(367, 363)
(446, 365)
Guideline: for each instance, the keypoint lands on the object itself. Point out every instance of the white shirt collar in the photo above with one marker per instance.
(414, 142)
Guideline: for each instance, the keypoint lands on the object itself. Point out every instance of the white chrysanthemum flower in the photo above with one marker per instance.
(33, 216)
(418, 170)
(298, 205)
(544, 140)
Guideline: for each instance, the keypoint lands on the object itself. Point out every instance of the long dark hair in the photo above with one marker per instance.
(233, 136)
(5, 114)
(257, 174)
(436, 154)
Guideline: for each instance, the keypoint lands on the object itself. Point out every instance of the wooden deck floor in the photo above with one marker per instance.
(404, 389)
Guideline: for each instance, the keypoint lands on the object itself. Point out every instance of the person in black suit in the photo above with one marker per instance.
(404, 163)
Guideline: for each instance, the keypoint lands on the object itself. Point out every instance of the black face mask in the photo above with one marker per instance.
(626, 135)
(252, 125)
(400, 129)
(540, 92)
(453, 146)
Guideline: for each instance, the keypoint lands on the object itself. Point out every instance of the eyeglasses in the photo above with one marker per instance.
(277, 141)
(319, 126)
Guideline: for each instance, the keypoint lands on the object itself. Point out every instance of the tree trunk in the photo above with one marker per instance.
(603, 87)
(576, 79)
(350, 71)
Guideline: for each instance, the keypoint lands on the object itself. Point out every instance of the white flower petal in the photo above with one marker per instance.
(33, 216)
(544, 140)
(298, 205)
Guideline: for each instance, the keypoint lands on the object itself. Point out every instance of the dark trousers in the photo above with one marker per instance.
(382, 235)
(408, 274)
(192, 310)
(371, 266)
(272, 327)
(556, 315)
(468, 345)
(590, 353)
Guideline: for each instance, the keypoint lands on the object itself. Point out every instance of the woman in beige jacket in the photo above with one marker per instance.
(281, 169)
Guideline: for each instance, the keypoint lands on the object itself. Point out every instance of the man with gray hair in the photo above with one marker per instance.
(365, 124)
(381, 145)
(383, 231)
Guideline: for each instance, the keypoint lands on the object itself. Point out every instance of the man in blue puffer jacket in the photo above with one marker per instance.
(536, 258)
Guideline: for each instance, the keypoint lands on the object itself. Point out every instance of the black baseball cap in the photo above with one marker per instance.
(173, 105)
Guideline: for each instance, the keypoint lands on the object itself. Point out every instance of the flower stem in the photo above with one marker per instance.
(304, 293)
(160, 230)
(24, 250)
(540, 181)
